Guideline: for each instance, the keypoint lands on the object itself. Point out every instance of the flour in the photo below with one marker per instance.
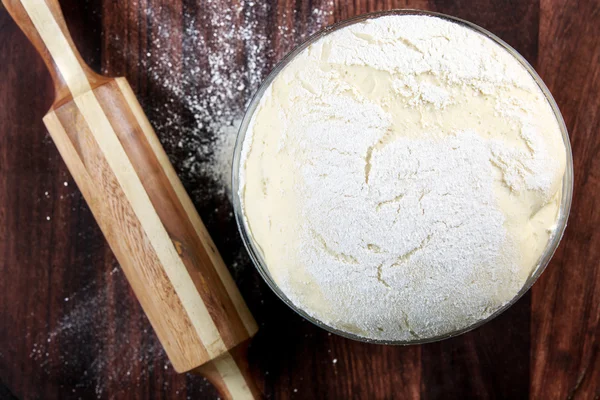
(206, 87)
(401, 178)
(86, 340)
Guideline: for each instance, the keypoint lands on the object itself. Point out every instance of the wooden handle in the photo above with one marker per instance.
(142, 208)
(230, 374)
(71, 76)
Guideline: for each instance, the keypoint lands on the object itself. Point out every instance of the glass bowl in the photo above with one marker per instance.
(254, 249)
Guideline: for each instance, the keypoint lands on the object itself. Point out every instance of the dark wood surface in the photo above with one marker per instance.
(71, 328)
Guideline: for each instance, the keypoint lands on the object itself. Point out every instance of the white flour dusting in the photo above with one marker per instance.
(206, 88)
(401, 177)
(87, 339)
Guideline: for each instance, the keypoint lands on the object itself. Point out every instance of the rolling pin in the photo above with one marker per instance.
(143, 210)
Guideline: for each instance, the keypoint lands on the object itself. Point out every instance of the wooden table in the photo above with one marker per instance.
(71, 328)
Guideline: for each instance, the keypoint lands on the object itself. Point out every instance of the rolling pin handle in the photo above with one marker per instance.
(230, 374)
(44, 33)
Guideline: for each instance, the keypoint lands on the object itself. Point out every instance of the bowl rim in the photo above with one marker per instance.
(254, 249)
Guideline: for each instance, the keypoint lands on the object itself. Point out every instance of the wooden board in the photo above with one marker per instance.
(69, 324)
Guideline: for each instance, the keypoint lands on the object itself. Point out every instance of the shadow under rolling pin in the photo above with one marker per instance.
(143, 210)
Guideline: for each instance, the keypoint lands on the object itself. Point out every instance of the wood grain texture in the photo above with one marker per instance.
(545, 347)
(566, 300)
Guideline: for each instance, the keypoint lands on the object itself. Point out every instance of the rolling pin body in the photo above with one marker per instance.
(143, 210)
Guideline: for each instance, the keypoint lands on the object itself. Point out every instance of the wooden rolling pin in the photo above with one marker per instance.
(143, 210)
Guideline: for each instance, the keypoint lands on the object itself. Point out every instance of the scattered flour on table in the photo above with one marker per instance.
(207, 87)
(87, 339)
